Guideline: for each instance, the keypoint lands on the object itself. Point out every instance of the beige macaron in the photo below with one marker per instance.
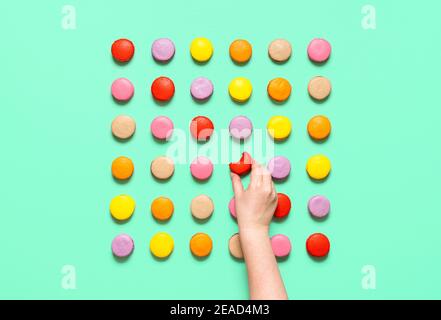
(202, 207)
(319, 88)
(123, 127)
(280, 50)
(162, 168)
(234, 246)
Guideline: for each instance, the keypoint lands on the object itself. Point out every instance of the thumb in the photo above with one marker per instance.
(237, 184)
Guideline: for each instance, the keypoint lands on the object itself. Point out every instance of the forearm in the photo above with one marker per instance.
(265, 282)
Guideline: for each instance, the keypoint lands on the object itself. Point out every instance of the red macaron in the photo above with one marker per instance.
(283, 206)
(123, 50)
(318, 245)
(201, 128)
(243, 166)
(163, 89)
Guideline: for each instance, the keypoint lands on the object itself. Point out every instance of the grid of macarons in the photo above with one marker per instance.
(201, 128)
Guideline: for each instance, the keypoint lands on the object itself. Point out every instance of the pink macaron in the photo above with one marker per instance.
(161, 127)
(319, 50)
(281, 245)
(122, 89)
(232, 207)
(201, 168)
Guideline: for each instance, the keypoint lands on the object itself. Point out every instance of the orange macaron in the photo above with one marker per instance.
(279, 89)
(201, 245)
(162, 208)
(122, 168)
(319, 127)
(240, 51)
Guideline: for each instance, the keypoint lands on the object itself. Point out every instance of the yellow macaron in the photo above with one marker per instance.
(279, 127)
(201, 49)
(240, 89)
(122, 207)
(161, 245)
(318, 167)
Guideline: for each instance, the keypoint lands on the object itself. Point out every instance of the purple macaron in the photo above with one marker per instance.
(122, 245)
(279, 167)
(163, 50)
(201, 88)
(319, 206)
(240, 127)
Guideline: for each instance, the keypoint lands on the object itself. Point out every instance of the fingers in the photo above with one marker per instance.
(267, 178)
(267, 182)
(237, 184)
(256, 175)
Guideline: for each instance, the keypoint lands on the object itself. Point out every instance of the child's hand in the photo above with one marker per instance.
(255, 206)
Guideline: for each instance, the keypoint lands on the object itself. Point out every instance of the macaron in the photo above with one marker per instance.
(122, 168)
(318, 245)
(123, 127)
(161, 245)
(201, 128)
(319, 50)
(201, 49)
(202, 207)
(319, 206)
(235, 247)
(240, 51)
(162, 127)
(123, 50)
(279, 167)
(279, 89)
(283, 206)
(240, 89)
(243, 166)
(201, 245)
(163, 49)
(279, 127)
(318, 167)
(319, 88)
(279, 50)
(122, 89)
(319, 127)
(201, 89)
(232, 208)
(163, 89)
(240, 128)
(201, 168)
(122, 245)
(162, 208)
(162, 168)
(281, 245)
(122, 207)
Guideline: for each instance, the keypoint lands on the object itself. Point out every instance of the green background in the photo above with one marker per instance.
(57, 147)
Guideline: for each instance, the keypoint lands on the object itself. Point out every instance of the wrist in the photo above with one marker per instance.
(253, 231)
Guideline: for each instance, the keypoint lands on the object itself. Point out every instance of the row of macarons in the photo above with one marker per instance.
(240, 89)
(318, 167)
(162, 208)
(240, 127)
(240, 50)
(201, 245)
